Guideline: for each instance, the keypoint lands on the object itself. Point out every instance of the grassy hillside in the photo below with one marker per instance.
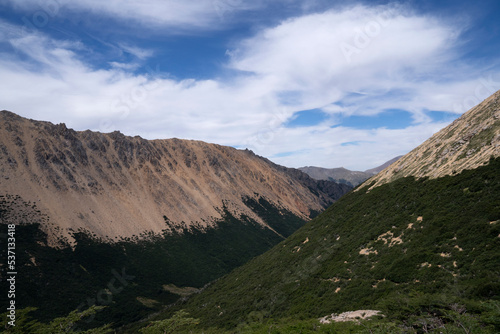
(424, 252)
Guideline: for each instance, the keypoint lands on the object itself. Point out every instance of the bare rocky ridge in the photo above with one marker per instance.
(117, 186)
(469, 142)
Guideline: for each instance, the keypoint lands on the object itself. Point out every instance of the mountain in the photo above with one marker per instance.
(170, 213)
(117, 186)
(340, 175)
(343, 175)
(467, 143)
(420, 243)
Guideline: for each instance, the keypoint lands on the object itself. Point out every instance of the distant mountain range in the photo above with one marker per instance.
(343, 175)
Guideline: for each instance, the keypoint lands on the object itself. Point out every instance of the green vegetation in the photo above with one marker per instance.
(455, 320)
(424, 252)
(68, 324)
(173, 325)
(452, 319)
(133, 278)
(282, 221)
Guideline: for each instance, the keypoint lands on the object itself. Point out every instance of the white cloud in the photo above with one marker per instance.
(306, 54)
(124, 66)
(409, 63)
(323, 146)
(135, 51)
(178, 15)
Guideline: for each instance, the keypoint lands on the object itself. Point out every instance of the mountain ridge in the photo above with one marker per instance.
(468, 142)
(119, 186)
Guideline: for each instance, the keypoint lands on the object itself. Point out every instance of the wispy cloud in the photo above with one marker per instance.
(177, 15)
(135, 51)
(387, 49)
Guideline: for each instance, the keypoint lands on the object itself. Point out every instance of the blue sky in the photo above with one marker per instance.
(322, 83)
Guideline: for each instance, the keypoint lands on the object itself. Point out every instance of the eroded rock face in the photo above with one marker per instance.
(119, 186)
(467, 143)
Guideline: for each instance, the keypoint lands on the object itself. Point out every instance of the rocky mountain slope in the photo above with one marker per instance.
(343, 175)
(425, 252)
(117, 186)
(169, 215)
(467, 143)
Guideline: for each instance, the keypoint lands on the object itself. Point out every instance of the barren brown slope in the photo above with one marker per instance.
(467, 143)
(118, 186)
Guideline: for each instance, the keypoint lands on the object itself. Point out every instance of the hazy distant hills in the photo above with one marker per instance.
(343, 175)
(380, 168)
(419, 242)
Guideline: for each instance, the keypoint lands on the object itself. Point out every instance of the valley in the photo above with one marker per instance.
(420, 248)
(174, 167)
(168, 213)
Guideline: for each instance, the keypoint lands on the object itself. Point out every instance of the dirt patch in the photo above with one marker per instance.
(334, 279)
(396, 241)
(349, 316)
(368, 251)
(376, 284)
(183, 292)
(389, 238)
(147, 301)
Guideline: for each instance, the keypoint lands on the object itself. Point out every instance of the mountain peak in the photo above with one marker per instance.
(467, 143)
